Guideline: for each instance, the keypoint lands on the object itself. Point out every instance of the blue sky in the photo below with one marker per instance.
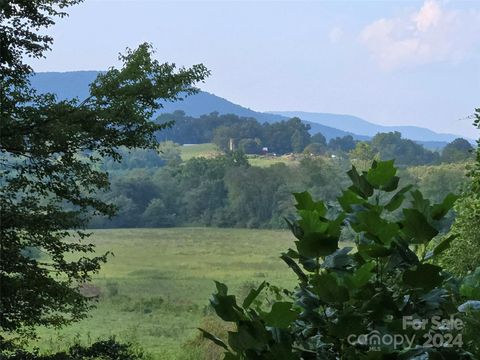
(390, 62)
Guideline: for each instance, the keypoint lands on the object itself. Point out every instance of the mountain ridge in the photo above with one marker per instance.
(75, 84)
(72, 84)
(363, 127)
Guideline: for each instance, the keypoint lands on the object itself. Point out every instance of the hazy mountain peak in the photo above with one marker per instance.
(75, 84)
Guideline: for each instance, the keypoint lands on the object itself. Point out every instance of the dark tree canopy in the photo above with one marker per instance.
(405, 152)
(247, 133)
(458, 150)
(49, 166)
(344, 144)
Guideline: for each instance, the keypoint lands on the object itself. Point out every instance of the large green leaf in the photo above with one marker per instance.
(392, 185)
(360, 184)
(310, 222)
(225, 305)
(316, 245)
(335, 225)
(348, 199)
(444, 245)
(373, 250)
(417, 228)
(213, 338)
(381, 173)
(327, 288)
(363, 274)
(252, 295)
(305, 202)
(374, 226)
(397, 200)
(281, 316)
(419, 202)
(440, 210)
(249, 336)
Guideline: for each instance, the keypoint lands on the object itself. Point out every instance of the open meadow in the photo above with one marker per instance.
(209, 150)
(154, 291)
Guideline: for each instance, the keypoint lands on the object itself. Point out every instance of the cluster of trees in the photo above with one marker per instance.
(458, 150)
(248, 134)
(407, 152)
(225, 191)
(292, 136)
(467, 221)
(222, 191)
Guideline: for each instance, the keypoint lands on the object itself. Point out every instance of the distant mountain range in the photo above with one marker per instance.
(75, 84)
(67, 85)
(366, 128)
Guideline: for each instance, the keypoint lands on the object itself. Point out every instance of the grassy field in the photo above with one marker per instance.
(211, 150)
(265, 161)
(199, 150)
(155, 289)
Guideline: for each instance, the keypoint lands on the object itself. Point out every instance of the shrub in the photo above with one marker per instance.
(104, 350)
(348, 303)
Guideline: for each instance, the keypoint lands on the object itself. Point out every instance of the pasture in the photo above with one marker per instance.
(154, 291)
(209, 150)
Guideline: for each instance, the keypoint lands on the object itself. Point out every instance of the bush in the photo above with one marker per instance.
(357, 304)
(104, 350)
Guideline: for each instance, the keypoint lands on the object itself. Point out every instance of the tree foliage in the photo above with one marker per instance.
(456, 151)
(467, 221)
(293, 136)
(343, 144)
(404, 151)
(19, 36)
(51, 153)
(343, 294)
(105, 350)
(220, 191)
(248, 134)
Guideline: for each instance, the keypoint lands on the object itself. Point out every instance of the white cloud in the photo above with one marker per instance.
(335, 35)
(429, 16)
(431, 34)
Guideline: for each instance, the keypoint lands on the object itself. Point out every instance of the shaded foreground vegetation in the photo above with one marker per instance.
(361, 303)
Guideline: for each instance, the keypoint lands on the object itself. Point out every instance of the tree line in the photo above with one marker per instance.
(222, 191)
(293, 136)
(226, 191)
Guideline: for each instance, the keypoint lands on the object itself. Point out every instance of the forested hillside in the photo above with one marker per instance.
(68, 85)
(224, 189)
